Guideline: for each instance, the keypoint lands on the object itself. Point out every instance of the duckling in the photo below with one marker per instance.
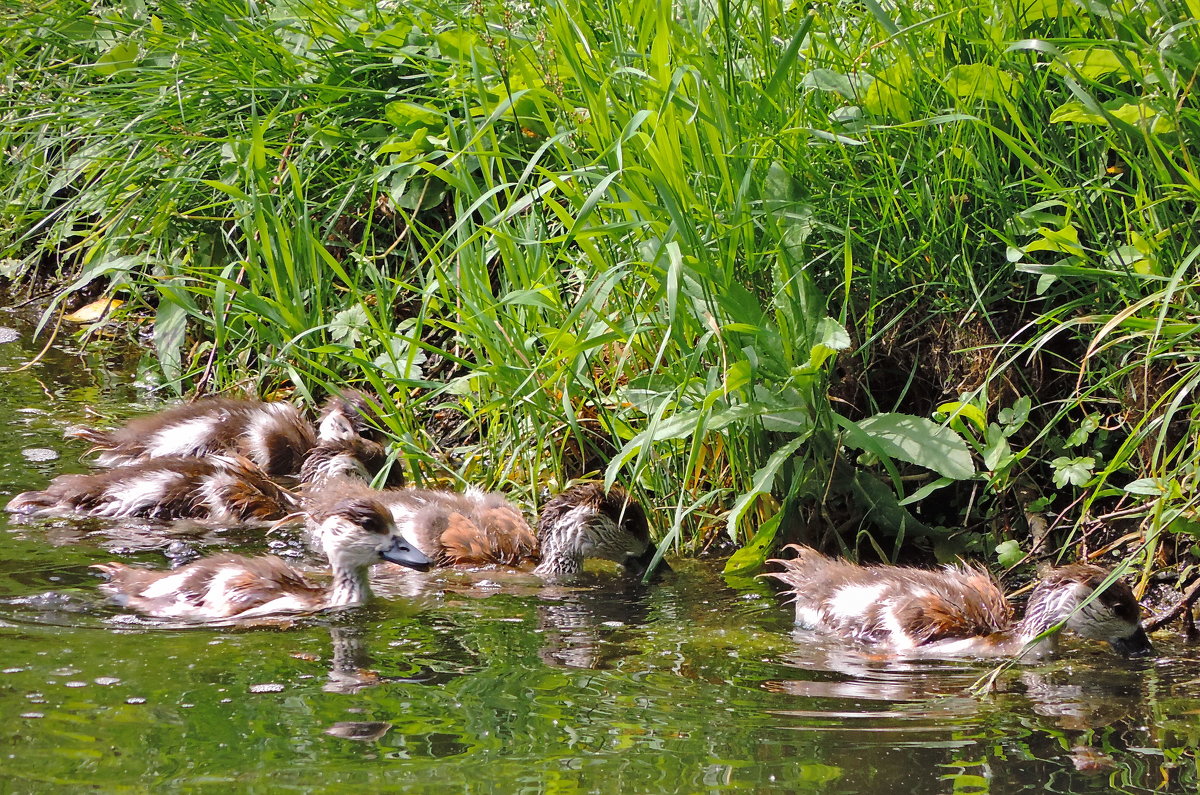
(227, 488)
(473, 527)
(222, 488)
(355, 533)
(342, 452)
(958, 610)
(275, 436)
(479, 528)
(586, 522)
(350, 412)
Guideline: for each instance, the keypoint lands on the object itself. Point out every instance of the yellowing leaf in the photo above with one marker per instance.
(94, 311)
(1138, 114)
(1093, 62)
(118, 58)
(967, 411)
(978, 81)
(886, 94)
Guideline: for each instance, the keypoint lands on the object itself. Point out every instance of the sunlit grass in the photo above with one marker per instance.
(647, 242)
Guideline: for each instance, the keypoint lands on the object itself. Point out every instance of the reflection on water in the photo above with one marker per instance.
(490, 680)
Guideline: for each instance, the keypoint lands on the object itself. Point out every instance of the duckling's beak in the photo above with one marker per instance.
(637, 567)
(1136, 645)
(406, 554)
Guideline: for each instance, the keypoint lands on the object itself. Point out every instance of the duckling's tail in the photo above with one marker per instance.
(101, 439)
(808, 565)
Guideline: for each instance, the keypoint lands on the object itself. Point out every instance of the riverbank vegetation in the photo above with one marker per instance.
(890, 278)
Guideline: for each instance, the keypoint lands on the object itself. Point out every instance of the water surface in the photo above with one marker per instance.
(491, 682)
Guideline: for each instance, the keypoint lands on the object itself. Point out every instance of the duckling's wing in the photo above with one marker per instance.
(955, 603)
(492, 535)
(243, 584)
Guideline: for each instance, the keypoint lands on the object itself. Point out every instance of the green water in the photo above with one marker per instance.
(490, 682)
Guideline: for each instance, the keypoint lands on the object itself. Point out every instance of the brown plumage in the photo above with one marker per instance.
(354, 533)
(218, 487)
(957, 610)
(275, 436)
(348, 457)
(474, 527)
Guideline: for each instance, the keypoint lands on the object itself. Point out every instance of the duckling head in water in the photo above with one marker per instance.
(1114, 615)
(586, 522)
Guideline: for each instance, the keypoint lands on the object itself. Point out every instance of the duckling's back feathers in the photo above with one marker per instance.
(905, 607)
(220, 586)
(489, 531)
(218, 487)
(273, 435)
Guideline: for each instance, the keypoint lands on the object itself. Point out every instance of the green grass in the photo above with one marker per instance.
(739, 256)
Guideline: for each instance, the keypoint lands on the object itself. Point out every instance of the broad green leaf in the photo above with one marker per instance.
(997, 450)
(751, 557)
(968, 411)
(1147, 487)
(919, 441)
(828, 80)
(979, 81)
(1081, 434)
(118, 58)
(1141, 115)
(1094, 62)
(878, 503)
(1075, 471)
(1064, 241)
(1009, 554)
(411, 116)
(884, 98)
(347, 325)
(170, 331)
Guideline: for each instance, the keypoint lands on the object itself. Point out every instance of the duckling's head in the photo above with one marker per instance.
(349, 457)
(587, 522)
(349, 414)
(359, 531)
(1114, 615)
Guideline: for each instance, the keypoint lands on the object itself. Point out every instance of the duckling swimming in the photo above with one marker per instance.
(958, 610)
(218, 488)
(479, 528)
(276, 436)
(227, 488)
(354, 534)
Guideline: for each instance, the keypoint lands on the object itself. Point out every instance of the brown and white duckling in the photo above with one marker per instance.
(351, 457)
(349, 413)
(584, 522)
(354, 533)
(225, 488)
(221, 488)
(275, 436)
(958, 610)
(480, 528)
